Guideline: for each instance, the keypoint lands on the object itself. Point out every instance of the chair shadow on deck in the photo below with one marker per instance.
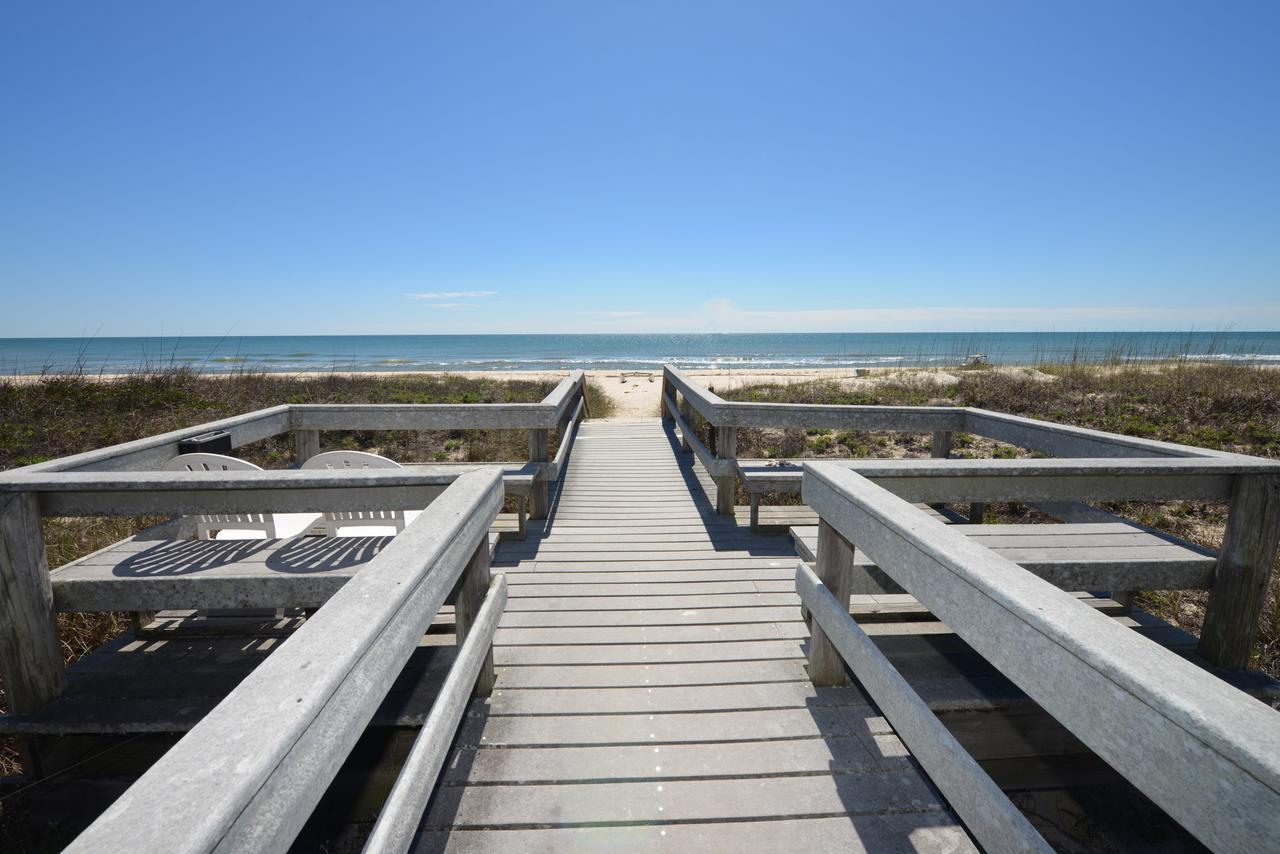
(301, 555)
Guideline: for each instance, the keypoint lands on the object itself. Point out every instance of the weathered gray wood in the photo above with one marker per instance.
(403, 809)
(707, 403)
(705, 455)
(473, 586)
(539, 505)
(987, 813)
(1244, 572)
(1029, 481)
(1198, 736)
(835, 568)
(869, 834)
(154, 451)
(942, 444)
(1067, 556)
(168, 493)
(306, 444)
(977, 512)
(686, 413)
(248, 775)
(727, 484)
(1065, 440)
(30, 655)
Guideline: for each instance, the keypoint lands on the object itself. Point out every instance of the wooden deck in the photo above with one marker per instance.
(651, 692)
(657, 686)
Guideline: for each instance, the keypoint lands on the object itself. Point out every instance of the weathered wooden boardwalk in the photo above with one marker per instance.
(634, 669)
(651, 692)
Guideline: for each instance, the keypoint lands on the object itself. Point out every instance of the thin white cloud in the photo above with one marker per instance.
(434, 295)
(453, 305)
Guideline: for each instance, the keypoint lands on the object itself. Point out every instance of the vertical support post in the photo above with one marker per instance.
(668, 390)
(977, 512)
(1243, 572)
(539, 441)
(726, 485)
(941, 444)
(835, 568)
(306, 444)
(686, 412)
(471, 589)
(30, 655)
(941, 451)
(754, 498)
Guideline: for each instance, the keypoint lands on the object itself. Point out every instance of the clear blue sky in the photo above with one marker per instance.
(272, 168)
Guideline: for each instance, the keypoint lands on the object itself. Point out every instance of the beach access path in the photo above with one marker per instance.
(651, 691)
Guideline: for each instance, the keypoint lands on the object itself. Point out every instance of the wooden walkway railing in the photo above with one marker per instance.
(1208, 754)
(247, 777)
(121, 480)
(1094, 466)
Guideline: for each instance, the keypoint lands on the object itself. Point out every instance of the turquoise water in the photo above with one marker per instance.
(626, 352)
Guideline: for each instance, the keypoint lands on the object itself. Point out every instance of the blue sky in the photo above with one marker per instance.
(277, 168)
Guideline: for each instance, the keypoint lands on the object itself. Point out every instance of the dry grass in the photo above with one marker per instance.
(1225, 407)
(68, 414)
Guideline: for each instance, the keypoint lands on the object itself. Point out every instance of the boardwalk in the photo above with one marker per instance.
(651, 692)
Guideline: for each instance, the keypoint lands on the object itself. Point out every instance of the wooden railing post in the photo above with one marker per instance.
(539, 441)
(668, 390)
(686, 412)
(472, 587)
(941, 451)
(835, 569)
(1244, 570)
(30, 655)
(306, 444)
(942, 444)
(726, 484)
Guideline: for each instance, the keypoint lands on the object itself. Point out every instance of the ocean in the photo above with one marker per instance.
(621, 352)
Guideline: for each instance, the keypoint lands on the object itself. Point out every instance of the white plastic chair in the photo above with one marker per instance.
(239, 526)
(390, 521)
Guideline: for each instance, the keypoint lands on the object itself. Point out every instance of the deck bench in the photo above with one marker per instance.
(1092, 556)
(153, 575)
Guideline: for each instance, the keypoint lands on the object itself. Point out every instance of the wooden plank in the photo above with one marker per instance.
(657, 728)
(651, 675)
(666, 699)
(655, 653)
(681, 800)
(523, 765)
(931, 831)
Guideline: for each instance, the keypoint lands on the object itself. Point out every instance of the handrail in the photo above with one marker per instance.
(170, 492)
(1209, 755)
(986, 812)
(154, 450)
(273, 421)
(248, 775)
(1035, 434)
(713, 466)
(1039, 480)
(707, 403)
